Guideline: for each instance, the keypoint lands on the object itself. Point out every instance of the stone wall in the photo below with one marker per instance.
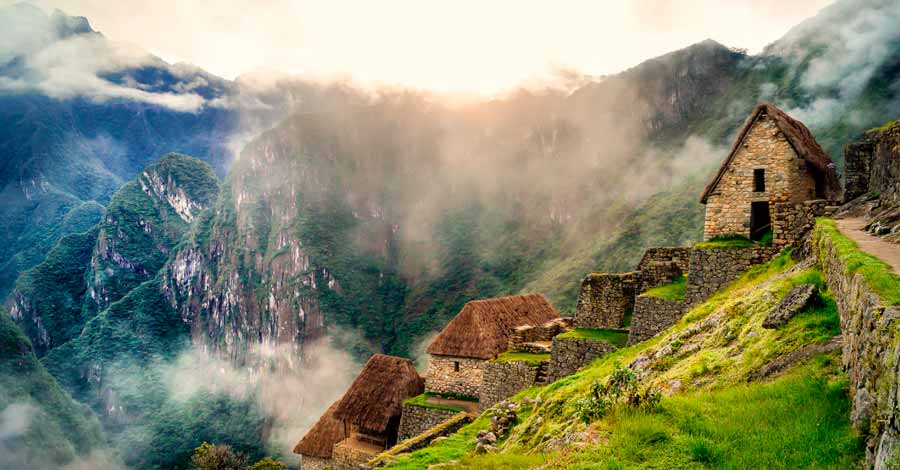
(651, 316)
(417, 419)
(604, 299)
(873, 166)
(660, 265)
(787, 179)
(571, 354)
(350, 457)
(534, 333)
(503, 380)
(442, 376)
(315, 463)
(714, 268)
(791, 220)
(871, 355)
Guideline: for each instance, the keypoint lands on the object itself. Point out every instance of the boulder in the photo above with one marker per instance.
(795, 301)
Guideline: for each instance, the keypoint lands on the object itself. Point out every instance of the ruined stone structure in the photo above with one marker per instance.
(660, 265)
(653, 315)
(872, 166)
(604, 299)
(479, 333)
(417, 419)
(524, 338)
(503, 380)
(714, 268)
(571, 354)
(775, 159)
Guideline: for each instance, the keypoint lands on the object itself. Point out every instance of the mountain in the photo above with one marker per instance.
(68, 144)
(367, 216)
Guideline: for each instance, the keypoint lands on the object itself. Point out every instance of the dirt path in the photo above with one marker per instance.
(471, 407)
(885, 251)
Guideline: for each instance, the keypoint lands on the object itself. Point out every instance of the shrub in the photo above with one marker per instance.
(216, 457)
(622, 386)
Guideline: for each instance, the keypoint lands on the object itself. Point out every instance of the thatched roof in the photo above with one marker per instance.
(483, 327)
(321, 438)
(377, 394)
(800, 139)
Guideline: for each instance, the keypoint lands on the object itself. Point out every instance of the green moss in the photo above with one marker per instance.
(617, 338)
(883, 128)
(422, 401)
(532, 359)
(877, 274)
(402, 447)
(672, 291)
(726, 241)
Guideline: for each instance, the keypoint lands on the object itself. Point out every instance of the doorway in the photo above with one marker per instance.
(760, 222)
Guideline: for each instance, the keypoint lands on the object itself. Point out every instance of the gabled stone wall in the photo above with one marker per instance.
(651, 316)
(503, 380)
(714, 268)
(604, 299)
(442, 376)
(787, 180)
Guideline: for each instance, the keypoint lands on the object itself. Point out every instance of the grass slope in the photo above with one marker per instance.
(710, 416)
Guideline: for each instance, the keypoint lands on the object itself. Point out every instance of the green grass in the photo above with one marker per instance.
(532, 359)
(797, 421)
(672, 291)
(876, 273)
(726, 241)
(617, 338)
(421, 400)
(884, 127)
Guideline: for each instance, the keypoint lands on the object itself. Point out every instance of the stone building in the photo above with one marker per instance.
(370, 410)
(774, 159)
(479, 333)
(317, 445)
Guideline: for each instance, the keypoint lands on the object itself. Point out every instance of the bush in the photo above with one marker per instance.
(622, 386)
(216, 457)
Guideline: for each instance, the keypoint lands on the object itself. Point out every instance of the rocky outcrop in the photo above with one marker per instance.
(792, 303)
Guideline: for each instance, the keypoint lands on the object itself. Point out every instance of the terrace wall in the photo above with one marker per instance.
(417, 419)
(651, 316)
(604, 299)
(503, 380)
(571, 354)
(714, 268)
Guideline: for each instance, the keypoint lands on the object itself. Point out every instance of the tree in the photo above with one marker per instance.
(268, 464)
(217, 457)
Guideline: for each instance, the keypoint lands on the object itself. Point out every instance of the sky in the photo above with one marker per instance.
(466, 46)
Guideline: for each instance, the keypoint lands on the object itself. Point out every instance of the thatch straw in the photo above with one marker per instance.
(482, 328)
(376, 396)
(800, 139)
(321, 438)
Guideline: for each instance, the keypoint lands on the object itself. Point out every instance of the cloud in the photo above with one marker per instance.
(49, 59)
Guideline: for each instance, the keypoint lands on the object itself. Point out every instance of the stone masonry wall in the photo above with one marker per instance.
(314, 463)
(873, 166)
(651, 316)
(442, 376)
(348, 457)
(714, 268)
(659, 266)
(871, 355)
(787, 180)
(532, 333)
(792, 220)
(503, 380)
(417, 419)
(571, 354)
(604, 299)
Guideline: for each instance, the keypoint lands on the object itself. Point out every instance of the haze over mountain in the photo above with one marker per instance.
(320, 222)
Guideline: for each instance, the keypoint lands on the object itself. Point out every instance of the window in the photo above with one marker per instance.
(759, 180)
(455, 366)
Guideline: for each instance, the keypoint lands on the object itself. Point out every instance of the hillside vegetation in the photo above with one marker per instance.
(718, 410)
